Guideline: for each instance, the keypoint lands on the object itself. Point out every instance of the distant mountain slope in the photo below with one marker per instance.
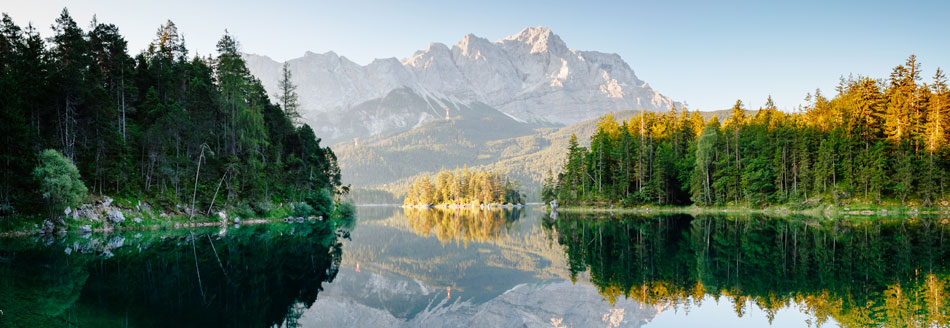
(523, 151)
(470, 139)
(531, 76)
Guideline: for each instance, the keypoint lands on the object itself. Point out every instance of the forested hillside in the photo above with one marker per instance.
(387, 165)
(874, 141)
(160, 126)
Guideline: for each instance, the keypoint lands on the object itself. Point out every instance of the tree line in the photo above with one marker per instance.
(194, 131)
(875, 140)
(463, 186)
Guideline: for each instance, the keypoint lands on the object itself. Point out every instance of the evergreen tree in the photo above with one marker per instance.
(287, 95)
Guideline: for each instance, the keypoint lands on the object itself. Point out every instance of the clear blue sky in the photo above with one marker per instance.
(706, 53)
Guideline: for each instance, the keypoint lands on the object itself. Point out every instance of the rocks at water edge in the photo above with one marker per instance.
(48, 227)
(116, 216)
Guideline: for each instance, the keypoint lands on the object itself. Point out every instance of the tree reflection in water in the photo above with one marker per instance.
(882, 272)
(462, 225)
(252, 276)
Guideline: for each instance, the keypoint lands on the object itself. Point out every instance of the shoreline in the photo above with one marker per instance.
(151, 227)
(825, 211)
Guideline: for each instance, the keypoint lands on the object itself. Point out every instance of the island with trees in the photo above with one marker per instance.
(94, 134)
(463, 188)
(876, 142)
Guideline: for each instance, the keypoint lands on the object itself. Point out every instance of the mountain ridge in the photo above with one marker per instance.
(531, 76)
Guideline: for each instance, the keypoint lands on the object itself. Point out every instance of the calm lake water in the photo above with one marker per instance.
(516, 268)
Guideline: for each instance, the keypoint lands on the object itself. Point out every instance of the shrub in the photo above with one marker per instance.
(59, 181)
(321, 201)
(303, 210)
(262, 208)
(346, 210)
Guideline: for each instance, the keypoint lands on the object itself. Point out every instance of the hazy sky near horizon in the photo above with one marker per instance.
(705, 53)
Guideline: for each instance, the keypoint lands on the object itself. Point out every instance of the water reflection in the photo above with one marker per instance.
(251, 276)
(872, 273)
(463, 225)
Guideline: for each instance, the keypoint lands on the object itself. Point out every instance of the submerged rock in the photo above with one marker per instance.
(116, 242)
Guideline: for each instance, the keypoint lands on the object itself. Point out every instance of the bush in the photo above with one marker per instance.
(321, 201)
(346, 210)
(59, 182)
(303, 210)
(263, 208)
(242, 210)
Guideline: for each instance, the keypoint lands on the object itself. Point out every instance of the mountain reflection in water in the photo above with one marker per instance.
(501, 268)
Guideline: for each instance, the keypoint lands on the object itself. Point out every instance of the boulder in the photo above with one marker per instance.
(88, 213)
(48, 227)
(85, 229)
(137, 220)
(116, 216)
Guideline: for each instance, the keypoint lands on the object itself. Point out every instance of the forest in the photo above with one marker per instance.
(197, 133)
(875, 141)
(463, 186)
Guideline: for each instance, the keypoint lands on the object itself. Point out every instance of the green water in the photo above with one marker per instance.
(252, 276)
(515, 268)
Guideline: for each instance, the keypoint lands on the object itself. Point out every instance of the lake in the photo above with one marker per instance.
(394, 267)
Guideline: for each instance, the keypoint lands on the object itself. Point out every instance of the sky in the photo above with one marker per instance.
(707, 54)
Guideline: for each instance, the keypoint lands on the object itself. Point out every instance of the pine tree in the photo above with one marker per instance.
(287, 95)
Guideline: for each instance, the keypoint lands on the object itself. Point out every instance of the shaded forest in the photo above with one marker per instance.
(875, 140)
(199, 132)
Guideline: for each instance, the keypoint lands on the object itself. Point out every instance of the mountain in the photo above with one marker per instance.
(531, 77)
(523, 152)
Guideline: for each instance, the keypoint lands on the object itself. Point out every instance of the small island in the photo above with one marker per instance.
(463, 188)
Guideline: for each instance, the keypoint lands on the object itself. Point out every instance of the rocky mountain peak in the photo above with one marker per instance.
(424, 58)
(471, 45)
(531, 76)
(538, 39)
